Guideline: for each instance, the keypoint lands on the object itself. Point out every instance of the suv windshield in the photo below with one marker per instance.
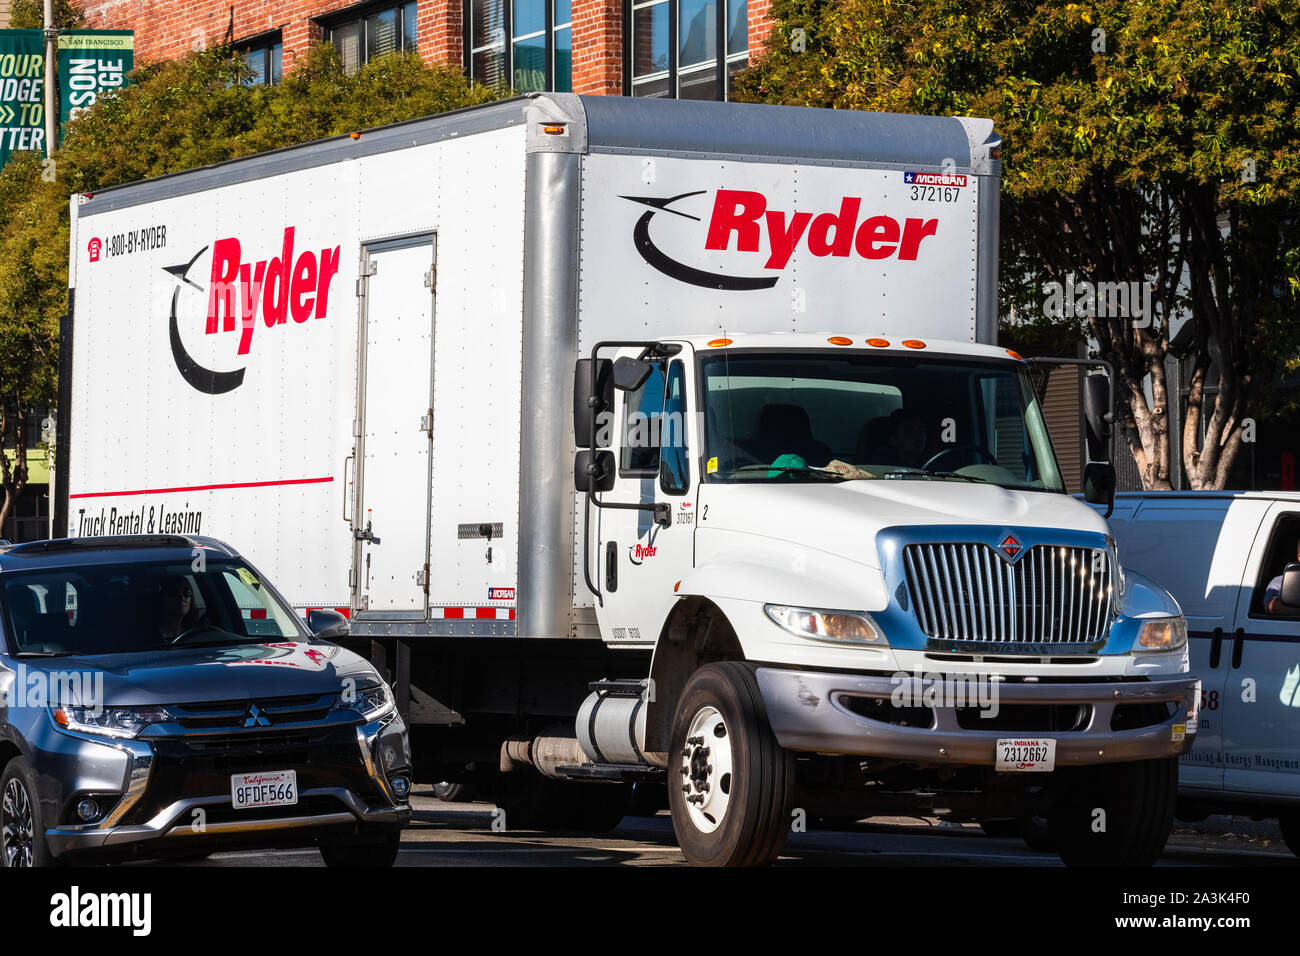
(154, 606)
(838, 416)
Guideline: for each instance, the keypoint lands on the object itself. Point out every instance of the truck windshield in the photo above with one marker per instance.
(835, 417)
(126, 608)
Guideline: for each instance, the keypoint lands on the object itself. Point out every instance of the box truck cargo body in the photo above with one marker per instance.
(596, 416)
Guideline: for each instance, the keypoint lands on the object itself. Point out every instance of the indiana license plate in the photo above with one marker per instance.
(268, 788)
(1026, 755)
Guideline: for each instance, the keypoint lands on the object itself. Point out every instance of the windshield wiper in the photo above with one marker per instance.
(789, 469)
(928, 475)
(953, 474)
(44, 654)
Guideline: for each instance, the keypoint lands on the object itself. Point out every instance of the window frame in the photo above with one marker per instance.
(1285, 526)
(266, 44)
(362, 14)
(509, 39)
(723, 61)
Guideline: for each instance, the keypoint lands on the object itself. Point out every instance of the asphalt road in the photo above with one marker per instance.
(460, 834)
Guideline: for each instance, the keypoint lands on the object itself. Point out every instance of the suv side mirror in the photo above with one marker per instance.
(1099, 484)
(593, 470)
(1096, 416)
(1291, 585)
(328, 625)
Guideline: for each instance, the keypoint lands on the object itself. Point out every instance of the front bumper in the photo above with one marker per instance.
(168, 804)
(811, 712)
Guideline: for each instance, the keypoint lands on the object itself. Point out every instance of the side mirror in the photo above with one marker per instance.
(1290, 594)
(1099, 484)
(630, 374)
(594, 470)
(584, 411)
(328, 625)
(1096, 415)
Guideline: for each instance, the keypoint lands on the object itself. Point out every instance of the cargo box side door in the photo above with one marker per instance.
(390, 521)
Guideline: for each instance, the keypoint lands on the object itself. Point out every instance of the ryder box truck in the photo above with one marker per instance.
(641, 440)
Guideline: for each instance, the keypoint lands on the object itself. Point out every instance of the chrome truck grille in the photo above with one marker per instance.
(969, 592)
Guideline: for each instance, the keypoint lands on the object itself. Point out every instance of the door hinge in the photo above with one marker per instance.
(426, 423)
(363, 602)
(368, 267)
(431, 278)
(422, 578)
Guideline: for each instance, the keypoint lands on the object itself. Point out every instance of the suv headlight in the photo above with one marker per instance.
(1163, 634)
(845, 627)
(108, 721)
(369, 697)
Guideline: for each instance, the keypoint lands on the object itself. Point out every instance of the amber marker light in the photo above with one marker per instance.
(1015, 355)
(718, 343)
(878, 343)
(839, 340)
(914, 343)
(553, 130)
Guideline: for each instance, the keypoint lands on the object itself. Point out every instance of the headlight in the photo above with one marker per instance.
(847, 627)
(108, 721)
(1163, 634)
(369, 698)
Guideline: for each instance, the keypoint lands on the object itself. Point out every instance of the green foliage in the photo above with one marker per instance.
(30, 15)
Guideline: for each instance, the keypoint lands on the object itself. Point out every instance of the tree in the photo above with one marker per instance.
(177, 115)
(1150, 142)
(30, 14)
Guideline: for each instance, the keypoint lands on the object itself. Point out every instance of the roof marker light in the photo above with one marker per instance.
(717, 343)
(1015, 355)
(879, 343)
(914, 343)
(553, 129)
(839, 340)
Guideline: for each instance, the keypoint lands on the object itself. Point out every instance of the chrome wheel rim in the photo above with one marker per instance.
(16, 826)
(706, 770)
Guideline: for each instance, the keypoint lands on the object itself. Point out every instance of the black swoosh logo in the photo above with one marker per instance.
(670, 267)
(203, 379)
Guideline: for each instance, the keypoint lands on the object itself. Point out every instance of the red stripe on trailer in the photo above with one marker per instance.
(257, 614)
(472, 613)
(453, 612)
(233, 484)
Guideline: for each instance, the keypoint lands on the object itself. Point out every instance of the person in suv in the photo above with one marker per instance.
(159, 698)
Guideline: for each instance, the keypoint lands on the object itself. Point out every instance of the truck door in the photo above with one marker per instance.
(638, 560)
(390, 520)
(1261, 722)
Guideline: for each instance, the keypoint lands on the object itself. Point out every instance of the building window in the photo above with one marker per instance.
(388, 30)
(264, 59)
(689, 49)
(539, 55)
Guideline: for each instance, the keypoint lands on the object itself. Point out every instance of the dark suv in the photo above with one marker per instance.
(159, 698)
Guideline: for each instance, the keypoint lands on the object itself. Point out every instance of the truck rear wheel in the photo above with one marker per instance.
(1116, 814)
(730, 784)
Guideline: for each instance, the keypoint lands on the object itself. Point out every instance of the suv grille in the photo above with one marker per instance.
(235, 715)
(1052, 595)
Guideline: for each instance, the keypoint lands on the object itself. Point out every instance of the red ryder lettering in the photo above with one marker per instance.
(742, 213)
(282, 286)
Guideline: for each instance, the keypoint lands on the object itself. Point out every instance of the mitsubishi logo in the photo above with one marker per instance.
(256, 718)
(1010, 547)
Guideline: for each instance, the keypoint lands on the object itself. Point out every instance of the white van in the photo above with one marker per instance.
(1223, 556)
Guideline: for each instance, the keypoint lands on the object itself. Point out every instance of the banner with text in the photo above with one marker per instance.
(22, 92)
(91, 63)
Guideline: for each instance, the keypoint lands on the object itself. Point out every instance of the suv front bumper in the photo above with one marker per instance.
(810, 711)
(153, 816)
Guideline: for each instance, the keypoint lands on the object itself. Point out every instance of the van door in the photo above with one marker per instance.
(638, 561)
(1261, 731)
(394, 427)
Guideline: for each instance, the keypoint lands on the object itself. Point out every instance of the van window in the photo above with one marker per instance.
(1282, 550)
(675, 470)
(642, 413)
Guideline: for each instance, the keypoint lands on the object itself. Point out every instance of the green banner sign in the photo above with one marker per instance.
(22, 92)
(91, 63)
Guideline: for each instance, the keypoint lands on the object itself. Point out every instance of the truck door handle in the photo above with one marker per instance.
(611, 567)
(1237, 646)
(366, 535)
(1216, 647)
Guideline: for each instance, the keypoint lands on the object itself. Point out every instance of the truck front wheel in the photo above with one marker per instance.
(1115, 814)
(730, 784)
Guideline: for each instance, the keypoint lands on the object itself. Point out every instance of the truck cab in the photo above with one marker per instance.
(855, 553)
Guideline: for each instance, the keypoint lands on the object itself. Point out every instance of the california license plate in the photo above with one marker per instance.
(1026, 755)
(268, 788)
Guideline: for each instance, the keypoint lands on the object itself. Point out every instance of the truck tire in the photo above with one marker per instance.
(22, 824)
(1290, 823)
(724, 755)
(449, 792)
(374, 853)
(1116, 814)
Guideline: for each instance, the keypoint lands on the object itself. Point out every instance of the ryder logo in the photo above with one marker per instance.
(741, 221)
(240, 294)
(95, 247)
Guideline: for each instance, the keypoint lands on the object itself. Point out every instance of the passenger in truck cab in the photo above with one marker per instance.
(175, 607)
(899, 438)
(1273, 592)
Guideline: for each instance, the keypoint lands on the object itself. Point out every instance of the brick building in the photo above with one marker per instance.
(685, 48)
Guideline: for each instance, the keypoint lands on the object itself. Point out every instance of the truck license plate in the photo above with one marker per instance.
(1026, 755)
(271, 788)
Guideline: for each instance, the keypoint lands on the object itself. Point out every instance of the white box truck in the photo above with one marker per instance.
(641, 441)
(1232, 560)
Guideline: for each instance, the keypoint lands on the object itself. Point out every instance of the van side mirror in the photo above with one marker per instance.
(1099, 484)
(593, 470)
(630, 374)
(328, 625)
(1096, 416)
(1290, 594)
(585, 410)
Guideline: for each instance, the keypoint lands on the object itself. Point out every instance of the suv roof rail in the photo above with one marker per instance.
(114, 542)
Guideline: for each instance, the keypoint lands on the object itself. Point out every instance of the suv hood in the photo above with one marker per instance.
(205, 674)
